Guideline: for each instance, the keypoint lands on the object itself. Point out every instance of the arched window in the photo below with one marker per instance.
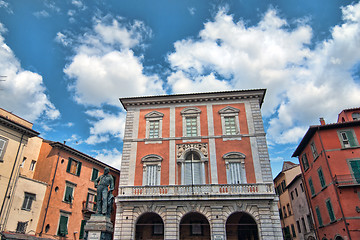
(193, 169)
(235, 167)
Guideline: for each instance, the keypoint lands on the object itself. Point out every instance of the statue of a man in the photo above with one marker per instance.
(105, 186)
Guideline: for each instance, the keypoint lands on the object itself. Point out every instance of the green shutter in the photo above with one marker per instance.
(68, 194)
(311, 187)
(82, 231)
(355, 166)
(351, 138)
(95, 204)
(319, 216)
(330, 210)
(78, 169)
(63, 226)
(321, 177)
(69, 165)
(94, 174)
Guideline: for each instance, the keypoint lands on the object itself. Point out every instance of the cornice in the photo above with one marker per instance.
(17, 127)
(194, 98)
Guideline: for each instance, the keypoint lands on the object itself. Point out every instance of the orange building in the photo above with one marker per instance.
(329, 156)
(196, 166)
(70, 197)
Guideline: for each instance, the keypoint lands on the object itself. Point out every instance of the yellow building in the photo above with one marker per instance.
(14, 135)
(289, 172)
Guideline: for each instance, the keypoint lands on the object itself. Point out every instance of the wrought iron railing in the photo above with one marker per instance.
(199, 190)
(347, 180)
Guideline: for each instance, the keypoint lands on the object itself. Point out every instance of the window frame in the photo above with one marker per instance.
(191, 112)
(319, 217)
(32, 165)
(29, 198)
(357, 114)
(78, 166)
(72, 186)
(232, 112)
(321, 177)
(3, 149)
(305, 161)
(151, 160)
(311, 186)
(330, 210)
(314, 150)
(94, 202)
(93, 174)
(356, 177)
(235, 158)
(153, 116)
(352, 141)
(21, 227)
(64, 215)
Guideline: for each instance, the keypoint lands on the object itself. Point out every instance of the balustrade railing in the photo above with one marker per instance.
(201, 190)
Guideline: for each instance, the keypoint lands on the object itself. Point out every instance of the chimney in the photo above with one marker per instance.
(322, 121)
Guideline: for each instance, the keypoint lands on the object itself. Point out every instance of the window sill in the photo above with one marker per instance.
(231, 137)
(28, 210)
(345, 148)
(153, 141)
(315, 158)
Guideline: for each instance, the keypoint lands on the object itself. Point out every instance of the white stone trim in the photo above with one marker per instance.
(133, 153)
(191, 112)
(230, 112)
(212, 153)
(172, 154)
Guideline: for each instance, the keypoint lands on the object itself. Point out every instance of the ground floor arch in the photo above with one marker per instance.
(149, 226)
(241, 226)
(194, 225)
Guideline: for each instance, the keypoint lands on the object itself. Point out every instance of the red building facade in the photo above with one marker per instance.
(329, 156)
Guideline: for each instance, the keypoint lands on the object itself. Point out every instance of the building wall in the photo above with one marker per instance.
(31, 153)
(17, 213)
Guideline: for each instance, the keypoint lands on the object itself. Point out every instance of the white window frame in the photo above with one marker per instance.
(230, 112)
(355, 116)
(238, 158)
(342, 140)
(69, 184)
(29, 198)
(191, 112)
(153, 116)
(65, 214)
(314, 150)
(2, 150)
(151, 160)
(32, 165)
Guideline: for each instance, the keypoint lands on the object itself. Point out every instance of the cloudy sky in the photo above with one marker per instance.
(65, 64)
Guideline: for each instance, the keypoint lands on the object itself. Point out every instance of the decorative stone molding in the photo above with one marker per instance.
(182, 148)
(151, 158)
(233, 155)
(154, 114)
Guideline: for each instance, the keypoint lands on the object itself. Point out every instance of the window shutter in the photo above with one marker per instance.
(69, 165)
(94, 174)
(188, 177)
(311, 187)
(81, 234)
(196, 172)
(63, 226)
(78, 169)
(319, 216)
(68, 194)
(355, 166)
(235, 172)
(330, 210)
(321, 177)
(351, 138)
(151, 175)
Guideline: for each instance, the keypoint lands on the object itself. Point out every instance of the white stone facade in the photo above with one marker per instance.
(216, 202)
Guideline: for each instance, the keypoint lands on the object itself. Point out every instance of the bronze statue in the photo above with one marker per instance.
(105, 199)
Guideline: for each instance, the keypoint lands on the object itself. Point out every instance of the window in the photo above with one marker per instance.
(312, 190)
(91, 201)
(347, 139)
(158, 228)
(356, 116)
(305, 162)
(302, 187)
(230, 121)
(284, 210)
(355, 169)
(292, 195)
(74, 167)
(330, 210)
(298, 226)
(191, 122)
(21, 227)
(32, 165)
(154, 124)
(293, 230)
(309, 219)
(319, 216)
(296, 192)
(283, 185)
(3, 144)
(313, 150)
(94, 174)
(279, 189)
(28, 199)
(303, 223)
(235, 167)
(82, 230)
(23, 162)
(193, 169)
(63, 223)
(69, 192)
(196, 229)
(280, 213)
(151, 169)
(321, 177)
(288, 207)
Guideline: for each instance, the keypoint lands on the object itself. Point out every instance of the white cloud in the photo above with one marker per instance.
(41, 14)
(105, 126)
(62, 39)
(192, 10)
(110, 157)
(23, 92)
(6, 6)
(105, 67)
(302, 84)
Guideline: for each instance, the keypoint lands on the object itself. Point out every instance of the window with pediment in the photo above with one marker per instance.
(154, 124)
(151, 169)
(230, 121)
(191, 122)
(235, 167)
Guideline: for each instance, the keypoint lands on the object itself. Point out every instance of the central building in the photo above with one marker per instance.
(196, 166)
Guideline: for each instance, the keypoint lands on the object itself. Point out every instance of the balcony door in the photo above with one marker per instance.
(194, 170)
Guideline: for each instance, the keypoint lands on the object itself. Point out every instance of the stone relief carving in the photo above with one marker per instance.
(202, 147)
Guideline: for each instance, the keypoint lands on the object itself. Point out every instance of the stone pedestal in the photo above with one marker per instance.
(99, 227)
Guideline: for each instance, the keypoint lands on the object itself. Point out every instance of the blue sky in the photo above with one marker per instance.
(66, 63)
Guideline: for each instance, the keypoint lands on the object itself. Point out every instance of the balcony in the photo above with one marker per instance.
(88, 207)
(197, 192)
(347, 180)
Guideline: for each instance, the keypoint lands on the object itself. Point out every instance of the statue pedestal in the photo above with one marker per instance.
(99, 227)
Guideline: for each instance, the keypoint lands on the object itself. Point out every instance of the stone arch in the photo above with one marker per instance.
(252, 210)
(338, 237)
(241, 225)
(192, 225)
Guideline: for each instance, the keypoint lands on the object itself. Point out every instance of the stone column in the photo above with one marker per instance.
(127, 231)
(171, 224)
(217, 222)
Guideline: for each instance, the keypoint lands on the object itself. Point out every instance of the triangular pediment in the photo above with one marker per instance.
(154, 114)
(229, 109)
(191, 110)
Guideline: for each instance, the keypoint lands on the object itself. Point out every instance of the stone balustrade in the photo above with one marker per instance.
(208, 190)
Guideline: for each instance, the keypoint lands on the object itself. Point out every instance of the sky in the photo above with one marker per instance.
(65, 64)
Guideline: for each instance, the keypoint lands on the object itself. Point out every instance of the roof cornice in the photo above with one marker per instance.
(79, 154)
(17, 127)
(194, 97)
